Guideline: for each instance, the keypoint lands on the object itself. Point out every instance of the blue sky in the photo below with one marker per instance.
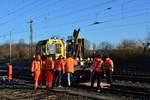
(121, 19)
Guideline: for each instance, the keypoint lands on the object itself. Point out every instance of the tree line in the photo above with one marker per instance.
(127, 48)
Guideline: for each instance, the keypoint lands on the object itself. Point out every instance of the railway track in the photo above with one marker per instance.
(144, 79)
(26, 82)
(84, 90)
(115, 88)
(133, 78)
(130, 90)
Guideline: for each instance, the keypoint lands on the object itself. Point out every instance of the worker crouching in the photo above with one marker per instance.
(36, 70)
(97, 72)
(59, 70)
(49, 68)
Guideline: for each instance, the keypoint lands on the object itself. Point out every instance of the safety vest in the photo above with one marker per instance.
(36, 66)
(43, 65)
(59, 65)
(97, 64)
(109, 64)
(70, 63)
(10, 72)
(49, 65)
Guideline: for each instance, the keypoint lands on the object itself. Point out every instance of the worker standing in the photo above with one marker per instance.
(59, 70)
(49, 68)
(70, 64)
(36, 70)
(43, 71)
(109, 68)
(10, 72)
(97, 72)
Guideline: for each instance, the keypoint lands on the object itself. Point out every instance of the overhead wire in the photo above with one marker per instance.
(105, 21)
(55, 10)
(75, 11)
(88, 19)
(80, 10)
(87, 13)
(118, 26)
(18, 9)
(82, 27)
(52, 4)
(12, 19)
(97, 4)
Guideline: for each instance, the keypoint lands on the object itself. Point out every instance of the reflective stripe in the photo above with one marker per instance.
(69, 81)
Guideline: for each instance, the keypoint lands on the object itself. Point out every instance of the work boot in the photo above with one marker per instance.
(35, 89)
(59, 86)
(55, 85)
(98, 91)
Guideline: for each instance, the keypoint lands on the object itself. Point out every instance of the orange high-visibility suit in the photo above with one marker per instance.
(9, 72)
(43, 71)
(36, 70)
(70, 64)
(60, 65)
(109, 68)
(49, 66)
(97, 64)
(97, 72)
(59, 70)
(109, 65)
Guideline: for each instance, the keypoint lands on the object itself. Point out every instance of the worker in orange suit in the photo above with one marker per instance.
(9, 72)
(43, 71)
(49, 68)
(70, 64)
(36, 69)
(109, 68)
(97, 68)
(59, 70)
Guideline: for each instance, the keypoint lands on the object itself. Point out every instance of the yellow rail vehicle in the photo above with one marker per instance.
(53, 46)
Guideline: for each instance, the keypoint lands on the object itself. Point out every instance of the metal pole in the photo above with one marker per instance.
(10, 48)
(31, 38)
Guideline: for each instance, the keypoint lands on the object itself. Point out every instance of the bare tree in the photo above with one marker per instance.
(128, 44)
(87, 44)
(22, 49)
(145, 43)
(94, 46)
(105, 46)
(19, 50)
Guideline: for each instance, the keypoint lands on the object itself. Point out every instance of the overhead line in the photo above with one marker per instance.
(76, 11)
(104, 21)
(18, 9)
(80, 10)
(15, 16)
